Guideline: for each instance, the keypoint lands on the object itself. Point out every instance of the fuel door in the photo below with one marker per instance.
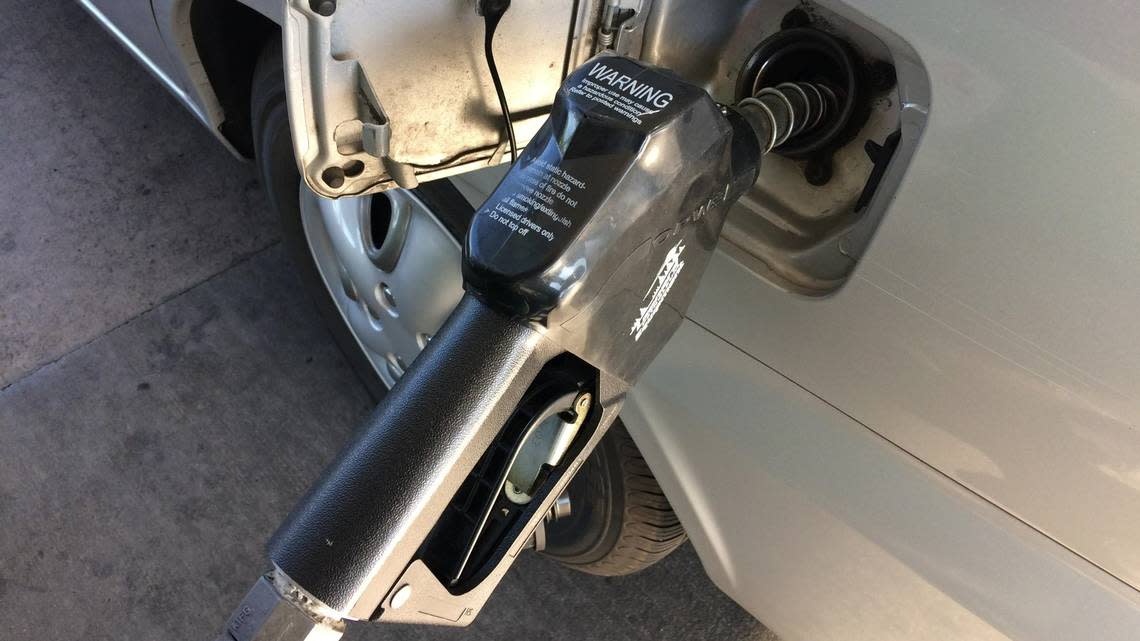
(386, 93)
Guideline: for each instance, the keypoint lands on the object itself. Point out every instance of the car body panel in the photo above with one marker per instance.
(173, 22)
(825, 530)
(134, 20)
(139, 35)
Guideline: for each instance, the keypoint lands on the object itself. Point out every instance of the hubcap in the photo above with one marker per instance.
(391, 268)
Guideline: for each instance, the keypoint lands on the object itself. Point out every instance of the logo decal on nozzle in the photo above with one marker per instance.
(667, 275)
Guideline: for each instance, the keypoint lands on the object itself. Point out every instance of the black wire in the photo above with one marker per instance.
(491, 21)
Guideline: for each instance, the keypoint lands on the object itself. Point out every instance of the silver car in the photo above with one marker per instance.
(904, 402)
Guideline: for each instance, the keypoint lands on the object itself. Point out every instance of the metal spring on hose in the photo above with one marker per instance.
(605, 39)
(791, 109)
(607, 31)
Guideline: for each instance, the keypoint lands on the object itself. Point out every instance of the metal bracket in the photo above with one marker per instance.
(622, 28)
(420, 597)
(376, 138)
(631, 36)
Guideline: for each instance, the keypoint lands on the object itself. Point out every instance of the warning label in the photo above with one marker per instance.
(541, 190)
(624, 95)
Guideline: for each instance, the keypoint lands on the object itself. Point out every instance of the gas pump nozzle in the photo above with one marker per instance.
(577, 269)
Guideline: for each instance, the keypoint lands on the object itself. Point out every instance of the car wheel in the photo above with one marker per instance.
(384, 271)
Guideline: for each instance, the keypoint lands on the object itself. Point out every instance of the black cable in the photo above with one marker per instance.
(493, 11)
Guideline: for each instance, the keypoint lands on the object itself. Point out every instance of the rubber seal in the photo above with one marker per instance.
(806, 54)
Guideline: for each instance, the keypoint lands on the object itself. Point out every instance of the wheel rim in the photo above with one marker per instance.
(390, 267)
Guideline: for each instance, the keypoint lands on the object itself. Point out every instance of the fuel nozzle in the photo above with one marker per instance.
(578, 269)
(787, 110)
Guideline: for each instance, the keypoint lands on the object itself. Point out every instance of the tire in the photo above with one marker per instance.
(620, 521)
